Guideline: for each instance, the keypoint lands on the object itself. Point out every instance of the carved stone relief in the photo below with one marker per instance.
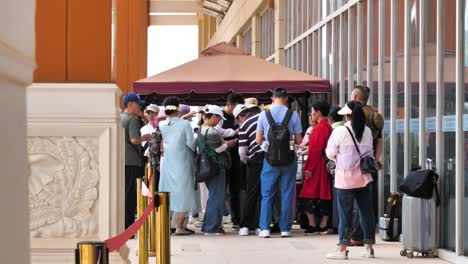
(63, 186)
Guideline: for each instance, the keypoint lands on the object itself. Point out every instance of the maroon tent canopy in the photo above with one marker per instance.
(222, 69)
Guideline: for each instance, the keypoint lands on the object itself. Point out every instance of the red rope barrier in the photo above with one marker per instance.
(119, 240)
(122, 238)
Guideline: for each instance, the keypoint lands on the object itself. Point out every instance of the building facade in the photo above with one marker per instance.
(413, 54)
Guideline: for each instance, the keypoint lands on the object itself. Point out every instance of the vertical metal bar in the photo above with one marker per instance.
(341, 61)
(314, 52)
(439, 95)
(326, 64)
(350, 52)
(459, 134)
(370, 49)
(319, 52)
(408, 89)
(333, 70)
(393, 96)
(163, 229)
(381, 89)
(422, 80)
(143, 231)
(359, 48)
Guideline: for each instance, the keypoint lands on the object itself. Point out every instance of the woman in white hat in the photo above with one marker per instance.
(347, 144)
(217, 184)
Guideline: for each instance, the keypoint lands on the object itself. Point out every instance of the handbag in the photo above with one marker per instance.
(206, 164)
(421, 183)
(367, 164)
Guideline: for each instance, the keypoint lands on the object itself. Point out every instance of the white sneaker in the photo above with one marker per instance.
(286, 234)
(244, 231)
(367, 253)
(338, 254)
(264, 234)
(226, 219)
(198, 224)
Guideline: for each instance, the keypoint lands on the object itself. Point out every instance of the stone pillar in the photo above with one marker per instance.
(279, 32)
(76, 150)
(17, 64)
(240, 41)
(256, 35)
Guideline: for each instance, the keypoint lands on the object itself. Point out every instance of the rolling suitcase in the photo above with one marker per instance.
(419, 226)
(419, 231)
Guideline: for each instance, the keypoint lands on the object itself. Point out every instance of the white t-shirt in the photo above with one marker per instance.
(147, 129)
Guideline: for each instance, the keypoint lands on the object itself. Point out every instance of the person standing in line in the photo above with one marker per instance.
(287, 128)
(217, 149)
(177, 172)
(252, 155)
(151, 112)
(334, 118)
(229, 130)
(352, 185)
(375, 122)
(134, 167)
(316, 191)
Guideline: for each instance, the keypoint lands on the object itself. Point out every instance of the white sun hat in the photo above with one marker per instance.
(215, 110)
(345, 110)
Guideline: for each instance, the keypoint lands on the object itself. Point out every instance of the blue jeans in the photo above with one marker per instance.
(215, 204)
(270, 177)
(363, 198)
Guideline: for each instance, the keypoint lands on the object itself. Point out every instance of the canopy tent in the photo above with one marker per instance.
(222, 69)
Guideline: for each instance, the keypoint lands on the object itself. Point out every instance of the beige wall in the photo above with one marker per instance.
(16, 69)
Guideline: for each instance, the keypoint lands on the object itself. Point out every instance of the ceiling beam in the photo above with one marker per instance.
(174, 6)
(173, 20)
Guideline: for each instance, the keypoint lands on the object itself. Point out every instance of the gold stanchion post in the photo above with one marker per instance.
(142, 232)
(90, 252)
(152, 216)
(163, 229)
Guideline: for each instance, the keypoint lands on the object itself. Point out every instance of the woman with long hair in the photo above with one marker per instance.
(177, 169)
(351, 184)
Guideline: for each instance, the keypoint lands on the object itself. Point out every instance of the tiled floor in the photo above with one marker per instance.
(233, 249)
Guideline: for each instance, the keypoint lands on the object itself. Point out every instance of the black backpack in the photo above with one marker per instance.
(279, 152)
(421, 183)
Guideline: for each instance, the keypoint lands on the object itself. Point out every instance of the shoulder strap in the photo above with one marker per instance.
(271, 121)
(287, 117)
(354, 140)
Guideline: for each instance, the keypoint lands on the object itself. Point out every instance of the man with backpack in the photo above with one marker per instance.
(375, 122)
(278, 130)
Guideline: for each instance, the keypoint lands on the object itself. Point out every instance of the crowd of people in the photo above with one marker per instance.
(254, 149)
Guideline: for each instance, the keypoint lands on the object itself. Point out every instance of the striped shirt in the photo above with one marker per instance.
(247, 133)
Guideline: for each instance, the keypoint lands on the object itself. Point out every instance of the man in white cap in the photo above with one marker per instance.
(252, 155)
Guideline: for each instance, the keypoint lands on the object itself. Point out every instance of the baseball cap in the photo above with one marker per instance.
(280, 93)
(239, 109)
(215, 110)
(153, 108)
(132, 97)
(345, 110)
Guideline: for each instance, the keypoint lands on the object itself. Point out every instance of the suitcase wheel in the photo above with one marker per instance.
(410, 254)
(403, 253)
